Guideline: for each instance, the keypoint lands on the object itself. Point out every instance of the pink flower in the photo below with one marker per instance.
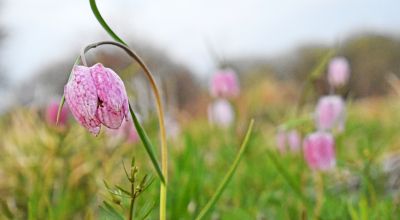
(330, 113)
(96, 95)
(319, 151)
(281, 140)
(294, 140)
(220, 113)
(224, 84)
(127, 132)
(338, 72)
(288, 139)
(172, 126)
(51, 114)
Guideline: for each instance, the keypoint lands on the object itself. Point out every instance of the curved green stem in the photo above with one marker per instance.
(160, 111)
(211, 203)
(311, 77)
(103, 23)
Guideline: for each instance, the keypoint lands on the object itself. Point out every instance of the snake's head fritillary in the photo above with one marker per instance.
(221, 113)
(338, 71)
(330, 113)
(224, 84)
(319, 151)
(96, 95)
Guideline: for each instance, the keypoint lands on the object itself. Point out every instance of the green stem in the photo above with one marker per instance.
(133, 197)
(146, 142)
(164, 148)
(103, 23)
(293, 185)
(312, 76)
(211, 203)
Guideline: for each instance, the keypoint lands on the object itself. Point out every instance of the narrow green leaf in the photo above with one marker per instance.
(147, 144)
(123, 190)
(281, 169)
(133, 162)
(146, 210)
(60, 106)
(110, 212)
(211, 203)
(126, 172)
(103, 23)
(106, 184)
(147, 183)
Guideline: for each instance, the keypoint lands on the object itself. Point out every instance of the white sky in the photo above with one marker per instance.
(42, 31)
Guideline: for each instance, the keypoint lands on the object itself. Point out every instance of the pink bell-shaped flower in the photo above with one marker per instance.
(288, 139)
(319, 151)
(281, 140)
(224, 84)
(96, 95)
(338, 72)
(294, 140)
(330, 113)
(51, 114)
(220, 113)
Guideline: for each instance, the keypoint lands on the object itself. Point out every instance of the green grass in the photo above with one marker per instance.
(51, 174)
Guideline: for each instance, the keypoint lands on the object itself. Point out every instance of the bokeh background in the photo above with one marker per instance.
(273, 46)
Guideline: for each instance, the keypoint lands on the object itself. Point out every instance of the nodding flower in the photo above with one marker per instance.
(319, 151)
(294, 140)
(281, 140)
(288, 139)
(51, 114)
(221, 113)
(224, 84)
(338, 72)
(96, 95)
(330, 113)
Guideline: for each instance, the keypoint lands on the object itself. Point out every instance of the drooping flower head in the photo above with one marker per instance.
(51, 114)
(224, 84)
(288, 139)
(338, 72)
(330, 113)
(294, 140)
(281, 140)
(96, 95)
(221, 113)
(319, 151)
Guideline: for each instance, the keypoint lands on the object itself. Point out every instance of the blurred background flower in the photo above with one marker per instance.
(319, 151)
(338, 72)
(52, 111)
(224, 84)
(330, 113)
(220, 113)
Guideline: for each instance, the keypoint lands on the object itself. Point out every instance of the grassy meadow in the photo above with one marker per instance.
(49, 172)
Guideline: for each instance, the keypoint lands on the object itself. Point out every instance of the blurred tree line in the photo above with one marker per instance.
(179, 84)
(372, 56)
